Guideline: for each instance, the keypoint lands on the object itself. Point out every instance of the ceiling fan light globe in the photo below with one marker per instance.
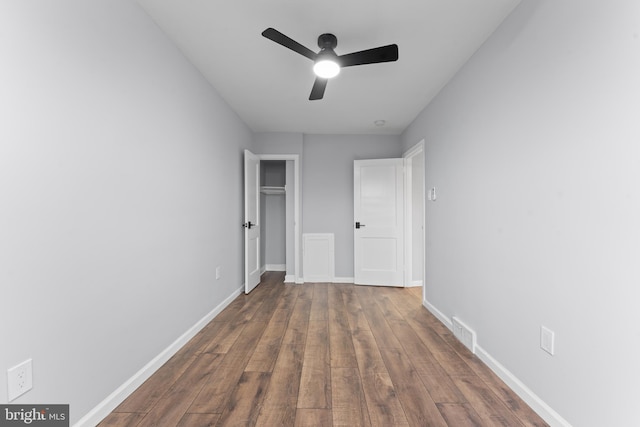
(326, 68)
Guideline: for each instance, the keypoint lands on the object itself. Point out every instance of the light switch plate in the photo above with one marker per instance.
(432, 194)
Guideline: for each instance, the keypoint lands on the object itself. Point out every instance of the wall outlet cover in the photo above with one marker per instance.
(19, 379)
(547, 340)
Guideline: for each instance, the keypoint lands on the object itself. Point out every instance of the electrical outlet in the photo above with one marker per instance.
(547, 340)
(20, 379)
(218, 273)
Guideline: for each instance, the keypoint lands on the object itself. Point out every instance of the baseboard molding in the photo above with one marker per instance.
(275, 267)
(415, 284)
(104, 408)
(289, 278)
(342, 280)
(324, 279)
(440, 315)
(317, 279)
(538, 405)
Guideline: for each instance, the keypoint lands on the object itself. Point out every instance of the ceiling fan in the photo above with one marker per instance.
(327, 62)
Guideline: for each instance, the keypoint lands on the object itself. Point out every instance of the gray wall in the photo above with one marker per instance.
(120, 186)
(327, 181)
(327, 171)
(277, 143)
(534, 148)
(274, 224)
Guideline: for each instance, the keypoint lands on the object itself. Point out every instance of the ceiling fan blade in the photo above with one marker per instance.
(278, 37)
(317, 92)
(387, 53)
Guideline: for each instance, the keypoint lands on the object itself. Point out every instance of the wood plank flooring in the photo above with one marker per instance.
(323, 355)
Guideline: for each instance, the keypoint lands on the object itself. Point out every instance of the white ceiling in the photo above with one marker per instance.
(269, 85)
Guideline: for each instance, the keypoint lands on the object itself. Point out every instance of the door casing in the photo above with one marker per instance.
(295, 158)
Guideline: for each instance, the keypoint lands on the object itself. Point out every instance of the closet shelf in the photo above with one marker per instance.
(272, 190)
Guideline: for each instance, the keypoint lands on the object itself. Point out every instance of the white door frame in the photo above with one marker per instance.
(296, 207)
(408, 156)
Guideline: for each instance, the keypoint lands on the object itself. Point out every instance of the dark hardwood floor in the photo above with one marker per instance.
(324, 355)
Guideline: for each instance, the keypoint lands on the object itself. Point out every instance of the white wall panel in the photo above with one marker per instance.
(318, 259)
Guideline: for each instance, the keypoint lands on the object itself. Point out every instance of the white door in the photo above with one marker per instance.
(378, 220)
(251, 221)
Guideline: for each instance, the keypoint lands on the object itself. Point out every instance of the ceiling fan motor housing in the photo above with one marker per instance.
(327, 41)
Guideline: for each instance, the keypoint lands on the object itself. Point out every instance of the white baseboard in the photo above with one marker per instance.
(440, 315)
(317, 279)
(538, 405)
(104, 408)
(289, 278)
(275, 267)
(415, 283)
(325, 279)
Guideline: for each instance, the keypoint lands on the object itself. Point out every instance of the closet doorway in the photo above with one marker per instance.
(278, 215)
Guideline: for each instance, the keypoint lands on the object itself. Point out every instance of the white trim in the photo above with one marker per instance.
(408, 223)
(343, 280)
(408, 156)
(289, 278)
(440, 315)
(414, 150)
(518, 387)
(104, 408)
(415, 283)
(338, 280)
(275, 267)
